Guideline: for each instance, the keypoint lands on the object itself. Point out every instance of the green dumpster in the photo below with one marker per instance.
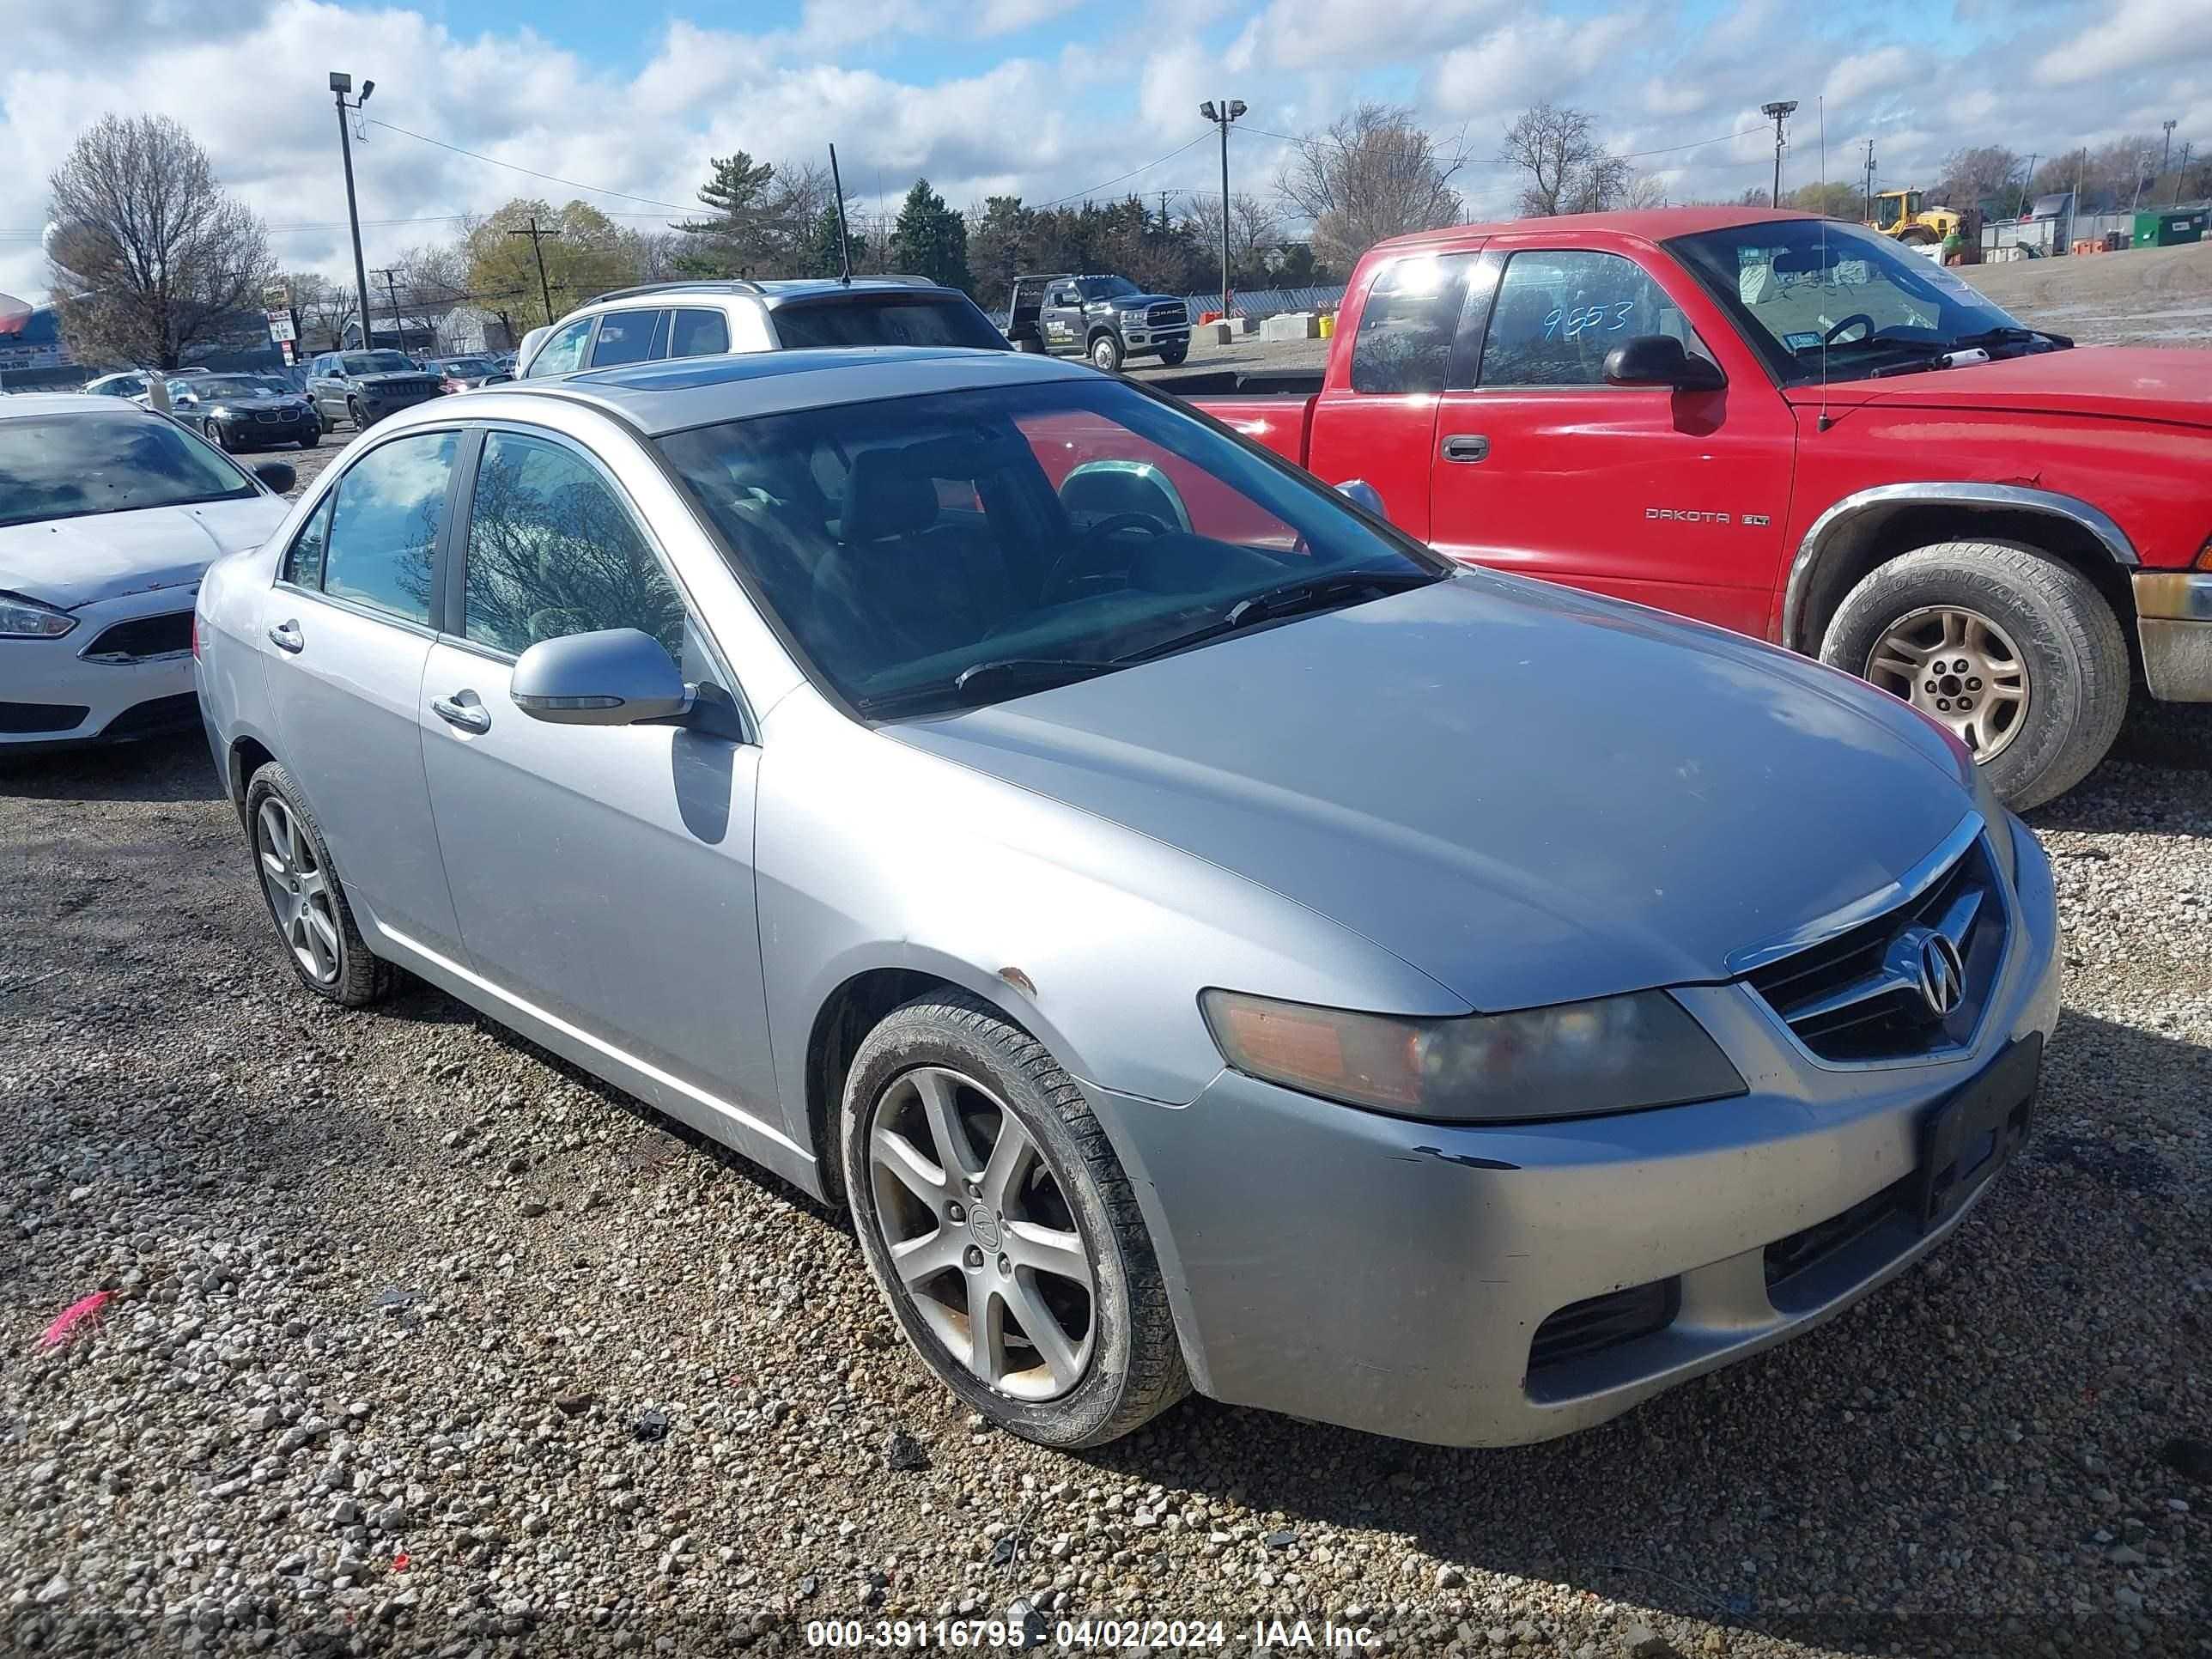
(2170, 228)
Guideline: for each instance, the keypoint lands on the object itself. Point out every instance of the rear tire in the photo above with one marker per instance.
(314, 923)
(1106, 353)
(2071, 654)
(948, 1057)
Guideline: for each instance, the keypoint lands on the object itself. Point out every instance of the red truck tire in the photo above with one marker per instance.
(2015, 652)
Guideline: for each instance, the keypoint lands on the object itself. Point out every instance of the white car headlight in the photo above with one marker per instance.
(1573, 1059)
(27, 619)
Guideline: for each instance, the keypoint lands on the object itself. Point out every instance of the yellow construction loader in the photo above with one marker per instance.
(1906, 214)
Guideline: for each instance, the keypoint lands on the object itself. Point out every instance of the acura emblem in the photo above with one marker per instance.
(1942, 975)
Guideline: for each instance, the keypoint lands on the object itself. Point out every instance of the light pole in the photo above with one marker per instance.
(1777, 113)
(1228, 111)
(2166, 154)
(341, 84)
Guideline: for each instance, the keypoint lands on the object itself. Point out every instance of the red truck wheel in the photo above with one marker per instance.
(2015, 652)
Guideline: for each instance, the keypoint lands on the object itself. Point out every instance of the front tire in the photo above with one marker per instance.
(305, 899)
(2016, 653)
(1106, 353)
(354, 414)
(1001, 1228)
(1174, 356)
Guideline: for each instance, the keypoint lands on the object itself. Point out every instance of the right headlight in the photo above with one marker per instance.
(1573, 1059)
(27, 619)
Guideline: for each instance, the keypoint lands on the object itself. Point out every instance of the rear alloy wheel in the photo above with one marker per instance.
(2018, 654)
(305, 899)
(1002, 1229)
(1106, 353)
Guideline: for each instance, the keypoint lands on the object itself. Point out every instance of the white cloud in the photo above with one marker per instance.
(1885, 69)
(2136, 34)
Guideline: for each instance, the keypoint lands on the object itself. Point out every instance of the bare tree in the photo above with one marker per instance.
(1972, 174)
(153, 257)
(1645, 190)
(1372, 174)
(1255, 230)
(1569, 171)
(325, 307)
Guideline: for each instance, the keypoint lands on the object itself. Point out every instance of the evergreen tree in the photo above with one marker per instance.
(930, 239)
(738, 235)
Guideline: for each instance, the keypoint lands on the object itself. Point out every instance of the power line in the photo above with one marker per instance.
(554, 179)
(1119, 177)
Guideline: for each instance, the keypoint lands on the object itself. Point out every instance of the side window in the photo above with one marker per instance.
(553, 551)
(1559, 313)
(382, 547)
(564, 351)
(303, 561)
(625, 337)
(1408, 325)
(698, 334)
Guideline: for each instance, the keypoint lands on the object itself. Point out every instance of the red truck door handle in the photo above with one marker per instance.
(1466, 447)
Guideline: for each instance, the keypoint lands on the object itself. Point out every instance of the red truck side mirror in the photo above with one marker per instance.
(1660, 360)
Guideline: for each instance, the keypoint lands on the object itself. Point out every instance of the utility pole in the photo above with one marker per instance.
(537, 246)
(2166, 154)
(1777, 113)
(341, 84)
(2180, 174)
(391, 286)
(1229, 109)
(1869, 183)
(2020, 206)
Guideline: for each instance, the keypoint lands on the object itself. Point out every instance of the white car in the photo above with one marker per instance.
(108, 516)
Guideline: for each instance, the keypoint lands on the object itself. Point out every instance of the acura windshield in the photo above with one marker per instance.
(1819, 299)
(934, 553)
(68, 466)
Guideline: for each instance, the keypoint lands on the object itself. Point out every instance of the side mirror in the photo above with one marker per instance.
(1364, 496)
(279, 475)
(616, 677)
(1661, 360)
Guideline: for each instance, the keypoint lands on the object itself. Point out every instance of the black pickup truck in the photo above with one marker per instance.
(1106, 319)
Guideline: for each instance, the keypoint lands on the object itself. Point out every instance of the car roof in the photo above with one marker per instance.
(1649, 224)
(770, 293)
(672, 394)
(69, 403)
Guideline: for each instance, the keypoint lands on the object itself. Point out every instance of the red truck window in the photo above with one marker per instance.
(1407, 325)
(1559, 312)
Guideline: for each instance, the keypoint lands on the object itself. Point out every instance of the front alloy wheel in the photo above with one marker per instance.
(1958, 667)
(1001, 1228)
(1106, 353)
(299, 891)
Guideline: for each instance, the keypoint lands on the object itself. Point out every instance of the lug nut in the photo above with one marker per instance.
(1966, 703)
(1944, 703)
(1005, 1267)
(974, 1257)
(1931, 686)
(956, 1212)
(1973, 685)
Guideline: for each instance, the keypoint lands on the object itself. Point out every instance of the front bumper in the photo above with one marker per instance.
(1393, 1277)
(2173, 621)
(1155, 339)
(53, 696)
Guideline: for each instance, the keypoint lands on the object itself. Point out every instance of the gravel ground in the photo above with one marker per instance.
(421, 1341)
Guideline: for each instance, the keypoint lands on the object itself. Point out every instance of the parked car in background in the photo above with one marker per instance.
(245, 412)
(129, 383)
(364, 386)
(464, 374)
(1794, 428)
(704, 320)
(1208, 938)
(108, 515)
(1104, 318)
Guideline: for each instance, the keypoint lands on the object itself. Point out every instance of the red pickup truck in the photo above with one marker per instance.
(1789, 427)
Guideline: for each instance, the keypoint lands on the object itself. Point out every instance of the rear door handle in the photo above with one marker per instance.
(470, 717)
(1467, 446)
(286, 636)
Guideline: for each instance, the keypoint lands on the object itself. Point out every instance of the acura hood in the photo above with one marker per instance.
(2143, 383)
(1530, 794)
(70, 562)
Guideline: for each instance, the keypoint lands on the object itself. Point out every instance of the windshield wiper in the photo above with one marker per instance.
(1289, 599)
(1017, 674)
(1937, 356)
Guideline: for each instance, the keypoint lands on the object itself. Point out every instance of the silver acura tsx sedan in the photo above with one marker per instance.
(1206, 939)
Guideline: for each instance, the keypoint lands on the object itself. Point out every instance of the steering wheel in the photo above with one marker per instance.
(1829, 338)
(1071, 570)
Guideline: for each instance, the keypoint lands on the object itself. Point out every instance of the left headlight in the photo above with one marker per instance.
(1574, 1060)
(27, 619)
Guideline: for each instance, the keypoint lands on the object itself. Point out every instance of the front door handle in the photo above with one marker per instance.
(1467, 446)
(471, 716)
(286, 636)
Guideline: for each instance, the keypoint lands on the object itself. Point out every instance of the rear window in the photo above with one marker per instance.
(894, 320)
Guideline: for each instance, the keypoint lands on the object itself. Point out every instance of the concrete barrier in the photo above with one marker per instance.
(1291, 326)
(1219, 333)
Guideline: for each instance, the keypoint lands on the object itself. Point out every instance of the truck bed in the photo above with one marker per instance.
(1240, 382)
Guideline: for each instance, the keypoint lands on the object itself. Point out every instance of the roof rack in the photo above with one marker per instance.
(1041, 276)
(708, 284)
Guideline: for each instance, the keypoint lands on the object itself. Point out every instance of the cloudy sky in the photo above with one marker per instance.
(1043, 97)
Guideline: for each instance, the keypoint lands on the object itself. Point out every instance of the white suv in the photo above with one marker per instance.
(707, 319)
